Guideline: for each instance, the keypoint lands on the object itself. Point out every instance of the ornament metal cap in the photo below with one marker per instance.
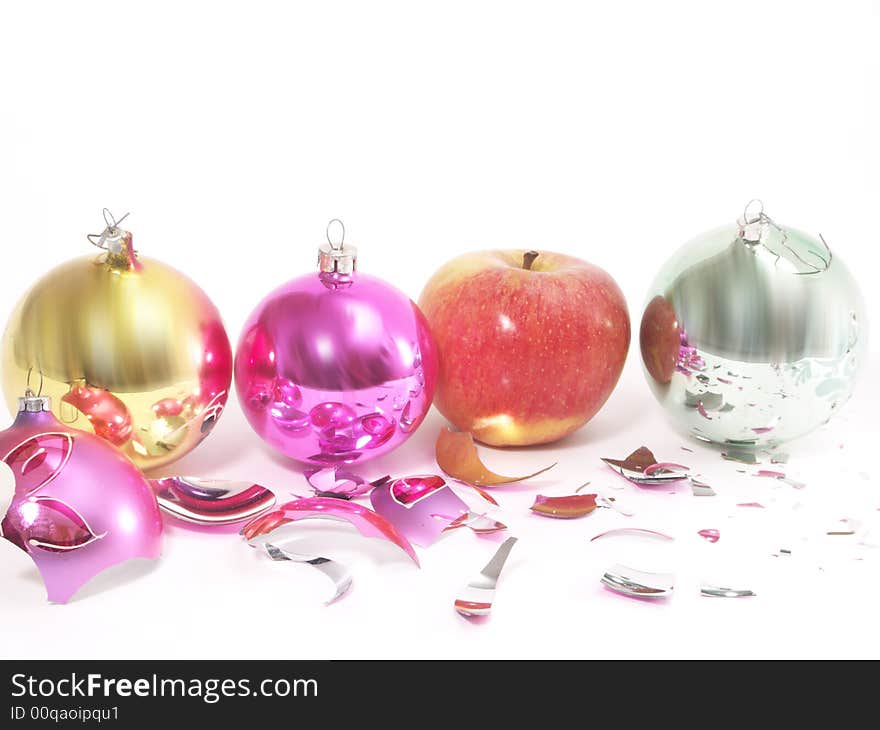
(115, 241)
(334, 257)
(753, 221)
(32, 403)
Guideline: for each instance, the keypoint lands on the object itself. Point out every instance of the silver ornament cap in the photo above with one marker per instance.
(335, 257)
(32, 403)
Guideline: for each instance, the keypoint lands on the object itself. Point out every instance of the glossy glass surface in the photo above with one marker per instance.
(128, 348)
(79, 505)
(753, 343)
(336, 369)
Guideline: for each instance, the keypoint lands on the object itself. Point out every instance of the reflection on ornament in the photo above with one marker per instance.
(753, 334)
(336, 367)
(127, 347)
(106, 413)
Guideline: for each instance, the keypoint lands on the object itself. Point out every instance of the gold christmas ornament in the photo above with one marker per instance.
(126, 347)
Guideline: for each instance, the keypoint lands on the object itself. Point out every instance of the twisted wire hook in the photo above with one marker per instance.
(111, 228)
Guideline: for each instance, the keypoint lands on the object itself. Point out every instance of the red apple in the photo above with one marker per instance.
(531, 343)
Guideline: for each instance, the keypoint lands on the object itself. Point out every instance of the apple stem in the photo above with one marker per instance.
(528, 259)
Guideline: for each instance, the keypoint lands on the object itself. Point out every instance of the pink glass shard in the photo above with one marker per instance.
(339, 481)
(367, 522)
(38, 460)
(420, 507)
(410, 490)
(757, 505)
(780, 476)
(631, 531)
(711, 535)
(470, 609)
(211, 502)
(107, 414)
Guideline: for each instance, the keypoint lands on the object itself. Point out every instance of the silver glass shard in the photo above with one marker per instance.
(477, 597)
(638, 583)
(336, 572)
(722, 592)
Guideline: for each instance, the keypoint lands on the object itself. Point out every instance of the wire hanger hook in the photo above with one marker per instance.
(111, 229)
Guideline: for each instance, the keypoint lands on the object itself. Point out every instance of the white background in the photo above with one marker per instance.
(612, 131)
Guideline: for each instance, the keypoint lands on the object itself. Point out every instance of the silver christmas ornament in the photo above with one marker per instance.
(753, 334)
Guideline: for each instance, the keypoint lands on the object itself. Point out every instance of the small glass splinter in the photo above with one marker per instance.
(476, 598)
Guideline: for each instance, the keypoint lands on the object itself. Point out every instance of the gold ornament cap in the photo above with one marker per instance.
(334, 257)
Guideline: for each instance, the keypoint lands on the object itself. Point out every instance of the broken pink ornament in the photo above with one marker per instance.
(421, 507)
(367, 522)
(79, 505)
(338, 481)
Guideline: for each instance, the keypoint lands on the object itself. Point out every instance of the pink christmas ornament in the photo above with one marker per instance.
(336, 366)
(79, 505)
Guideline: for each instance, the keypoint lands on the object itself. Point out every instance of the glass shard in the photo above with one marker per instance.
(569, 507)
(481, 524)
(846, 526)
(638, 583)
(641, 467)
(780, 476)
(211, 502)
(457, 456)
(631, 531)
(336, 572)
(367, 522)
(420, 507)
(701, 489)
(477, 597)
(742, 456)
(721, 592)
